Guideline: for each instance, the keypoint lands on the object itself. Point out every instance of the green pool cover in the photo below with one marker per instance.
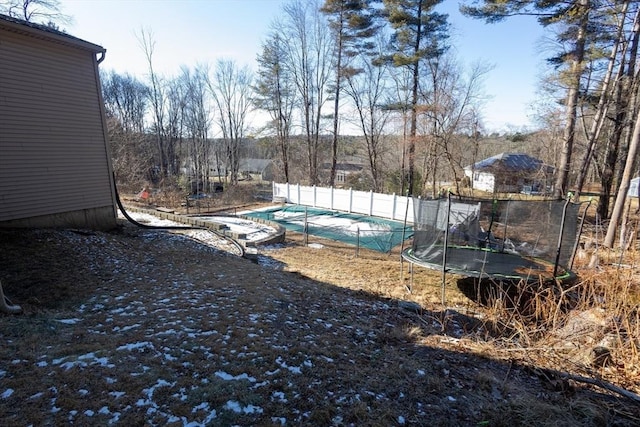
(359, 230)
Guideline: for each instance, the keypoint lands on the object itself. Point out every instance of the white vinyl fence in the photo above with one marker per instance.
(389, 206)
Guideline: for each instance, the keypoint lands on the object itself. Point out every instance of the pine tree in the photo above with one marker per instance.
(274, 93)
(353, 25)
(574, 15)
(419, 35)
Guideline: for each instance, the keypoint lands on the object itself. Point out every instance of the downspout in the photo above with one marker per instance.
(170, 227)
(152, 227)
(117, 196)
(103, 117)
(121, 206)
(6, 306)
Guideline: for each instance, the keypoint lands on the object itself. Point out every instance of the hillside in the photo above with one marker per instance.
(147, 327)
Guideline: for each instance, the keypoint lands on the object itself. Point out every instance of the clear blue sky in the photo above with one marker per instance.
(188, 32)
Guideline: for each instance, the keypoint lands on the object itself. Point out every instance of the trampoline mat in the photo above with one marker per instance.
(474, 262)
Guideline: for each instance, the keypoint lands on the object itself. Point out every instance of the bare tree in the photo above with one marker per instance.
(126, 104)
(195, 113)
(452, 101)
(230, 87)
(309, 48)
(369, 92)
(47, 12)
(126, 99)
(162, 125)
(399, 105)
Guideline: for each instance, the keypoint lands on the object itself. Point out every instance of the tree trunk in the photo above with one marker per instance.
(624, 186)
(562, 179)
(624, 109)
(603, 106)
(336, 105)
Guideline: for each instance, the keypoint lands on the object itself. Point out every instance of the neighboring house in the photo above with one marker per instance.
(261, 169)
(633, 187)
(511, 173)
(343, 171)
(55, 168)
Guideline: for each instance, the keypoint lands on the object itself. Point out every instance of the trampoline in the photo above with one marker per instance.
(504, 240)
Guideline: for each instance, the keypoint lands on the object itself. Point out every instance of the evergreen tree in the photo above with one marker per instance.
(574, 17)
(353, 25)
(419, 35)
(274, 93)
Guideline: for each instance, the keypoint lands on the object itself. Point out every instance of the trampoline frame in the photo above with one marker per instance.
(531, 276)
(559, 273)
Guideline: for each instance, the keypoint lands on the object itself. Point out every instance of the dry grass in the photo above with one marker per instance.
(142, 327)
(534, 324)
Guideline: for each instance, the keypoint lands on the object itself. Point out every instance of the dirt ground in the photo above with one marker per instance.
(147, 327)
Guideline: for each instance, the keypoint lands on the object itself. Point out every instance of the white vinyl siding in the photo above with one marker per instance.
(53, 154)
(482, 181)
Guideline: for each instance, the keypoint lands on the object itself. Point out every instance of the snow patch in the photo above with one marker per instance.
(140, 346)
(227, 377)
(237, 407)
(69, 321)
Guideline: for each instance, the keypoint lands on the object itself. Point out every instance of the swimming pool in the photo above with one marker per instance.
(359, 230)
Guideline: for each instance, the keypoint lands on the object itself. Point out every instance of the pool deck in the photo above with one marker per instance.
(219, 227)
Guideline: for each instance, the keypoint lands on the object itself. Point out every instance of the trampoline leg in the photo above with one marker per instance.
(410, 288)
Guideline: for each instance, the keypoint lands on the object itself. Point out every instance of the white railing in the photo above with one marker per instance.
(390, 206)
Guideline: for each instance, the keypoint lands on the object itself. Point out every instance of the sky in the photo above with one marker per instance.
(190, 32)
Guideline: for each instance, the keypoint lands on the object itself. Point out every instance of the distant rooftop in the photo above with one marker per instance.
(344, 166)
(510, 162)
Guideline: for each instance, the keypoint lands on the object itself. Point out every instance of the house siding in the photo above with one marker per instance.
(484, 182)
(509, 173)
(54, 161)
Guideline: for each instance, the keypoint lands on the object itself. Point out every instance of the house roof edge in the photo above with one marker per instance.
(43, 32)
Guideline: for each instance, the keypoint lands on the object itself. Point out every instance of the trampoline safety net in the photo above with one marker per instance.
(495, 238)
